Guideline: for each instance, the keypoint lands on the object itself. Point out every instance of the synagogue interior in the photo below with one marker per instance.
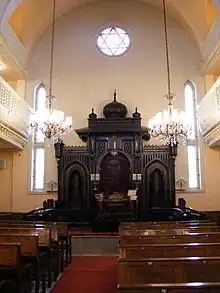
(109, 115)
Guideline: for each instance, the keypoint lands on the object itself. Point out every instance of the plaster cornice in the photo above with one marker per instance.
(10, 135)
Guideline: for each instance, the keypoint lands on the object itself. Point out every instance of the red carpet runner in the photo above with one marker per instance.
(89, 274)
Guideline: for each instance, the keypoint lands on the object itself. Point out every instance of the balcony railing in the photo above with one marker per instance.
(209, 111)
(14, 111)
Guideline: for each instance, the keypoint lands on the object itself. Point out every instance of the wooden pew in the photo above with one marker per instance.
(55, 230)
(59, 228)
(44, 242)
(44, 234)
(62, 226)
(63, 236)
(173, 259)
(169, 270)
(174, 230)
(200, 287)
(47, 233)
(59, 236)
(133, 239)
(159, 225)
(169, 250)
(11, 267)
(30, 254)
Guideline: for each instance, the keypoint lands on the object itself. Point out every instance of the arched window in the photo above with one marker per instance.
(193, 151)
(38, 146)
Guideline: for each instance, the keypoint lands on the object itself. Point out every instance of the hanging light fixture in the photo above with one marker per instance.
(51, 122)
(171, 124)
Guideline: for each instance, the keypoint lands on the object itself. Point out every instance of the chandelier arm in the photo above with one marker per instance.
(167, 52)
(52, 54)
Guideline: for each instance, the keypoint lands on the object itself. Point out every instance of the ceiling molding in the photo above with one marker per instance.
(11, 136)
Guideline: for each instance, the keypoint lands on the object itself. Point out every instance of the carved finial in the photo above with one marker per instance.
(115, 95)
(136, 114)
(92, 115)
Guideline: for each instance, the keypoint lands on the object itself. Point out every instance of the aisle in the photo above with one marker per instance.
(89, 274)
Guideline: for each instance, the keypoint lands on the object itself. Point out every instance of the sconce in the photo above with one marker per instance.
(58, 149)
(181, 184)
(95, 177)
(136, 177)
(173, 150)
(52, 186)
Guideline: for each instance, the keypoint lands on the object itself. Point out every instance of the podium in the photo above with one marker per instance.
(118, 205)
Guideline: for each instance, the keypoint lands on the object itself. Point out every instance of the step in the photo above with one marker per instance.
(95, 245)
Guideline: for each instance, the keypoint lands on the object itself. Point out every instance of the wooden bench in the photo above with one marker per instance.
(133, 239)
(30, 254)
(169, 250)
(58, 228)
(37, 240)
(61, 243)
(59, 234)
(173, 228)
(200, 287)
(45, 246)
(174, 231)
(162, 225)
(11, 268)
(169, 258)
(169, 270)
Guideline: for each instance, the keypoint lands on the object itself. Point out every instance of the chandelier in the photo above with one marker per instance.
(170, 125)
(51, 122)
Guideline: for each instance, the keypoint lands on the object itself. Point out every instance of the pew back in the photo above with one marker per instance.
(10, 253)
(44, 234)
(158, 225)
(169, 270)
(170, 238)
(169, 250)
(28, 243)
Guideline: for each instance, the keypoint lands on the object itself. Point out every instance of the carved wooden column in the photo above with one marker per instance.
(58, 146)
(173, 154)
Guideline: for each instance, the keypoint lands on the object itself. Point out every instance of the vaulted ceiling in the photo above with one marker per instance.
(37, 16)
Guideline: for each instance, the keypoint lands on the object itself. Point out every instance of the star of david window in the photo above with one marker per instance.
(113, 41)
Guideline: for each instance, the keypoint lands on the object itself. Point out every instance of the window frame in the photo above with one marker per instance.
(36, 145)
(195, 142)
(113, 55)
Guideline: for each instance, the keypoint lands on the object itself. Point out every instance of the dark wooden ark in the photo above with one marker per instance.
(116, 159)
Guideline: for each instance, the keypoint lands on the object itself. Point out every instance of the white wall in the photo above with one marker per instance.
(84, 78)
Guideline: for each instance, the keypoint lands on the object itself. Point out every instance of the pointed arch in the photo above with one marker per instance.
(39, 96)
(193, 150)
(75, 196)
(157, 184)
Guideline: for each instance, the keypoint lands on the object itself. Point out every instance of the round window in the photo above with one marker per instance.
(113, 41)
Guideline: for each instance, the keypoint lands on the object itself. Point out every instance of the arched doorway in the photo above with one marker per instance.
(157, 185)
(115, 181)
(76, 186)
(115, 173)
